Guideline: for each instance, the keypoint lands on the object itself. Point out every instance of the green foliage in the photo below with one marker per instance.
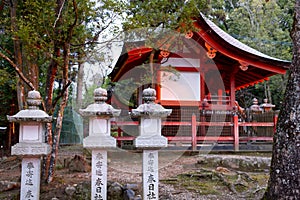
(125, 91)
(7, 95)
(164, 14)
(262, 25)
(89, 96)
(265, 26)
(39, 29)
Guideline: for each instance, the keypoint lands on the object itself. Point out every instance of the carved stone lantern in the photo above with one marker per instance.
(255, 107)
(32, 131)
(99, 140)
(31, 144)
(100, 115)
(150, 115)
(150, 140)
(266, 106)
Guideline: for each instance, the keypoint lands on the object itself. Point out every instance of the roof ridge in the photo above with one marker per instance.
(236, 43)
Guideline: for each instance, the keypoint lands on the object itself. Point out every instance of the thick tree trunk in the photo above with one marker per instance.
(63, 104)
(34, 75)
(18, 54)
(284, 182)
(56, 136)
(52, 72)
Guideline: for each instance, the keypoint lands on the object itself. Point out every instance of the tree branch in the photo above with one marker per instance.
(71, 28)
(61, 93)
(59, 14)
(5, 50)
(19, 72)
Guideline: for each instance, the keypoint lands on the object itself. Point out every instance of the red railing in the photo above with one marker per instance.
(193, 138)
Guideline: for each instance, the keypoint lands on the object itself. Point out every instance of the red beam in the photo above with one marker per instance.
(177, 123)
(128, 123)
(236, 132)
(200, 138)
(179, 138)
(124, 138)
(214, 124)
(256, 138)
(187, 69)
(215, 138)
(256, 123)
(167, 123)
(194, 132)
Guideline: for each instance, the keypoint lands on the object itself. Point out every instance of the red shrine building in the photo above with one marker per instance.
(196, 74)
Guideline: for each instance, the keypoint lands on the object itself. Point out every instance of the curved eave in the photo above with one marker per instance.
(251, 83)
(129, 60)
(234, 49)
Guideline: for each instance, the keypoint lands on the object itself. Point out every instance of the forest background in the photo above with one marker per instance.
(45, 45)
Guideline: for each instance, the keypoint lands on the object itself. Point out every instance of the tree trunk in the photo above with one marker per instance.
(52, 72)
(56, 137)
(63, 104)
(79, 88)
(18, 54)
(268, 94)
(284, 179)
(152, 70)
(34, 75)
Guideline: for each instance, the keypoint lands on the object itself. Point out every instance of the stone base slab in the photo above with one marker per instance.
(30, 149)
(99, 142)
(151, 142)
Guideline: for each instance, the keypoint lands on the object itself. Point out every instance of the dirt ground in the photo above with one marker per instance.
(181, 176)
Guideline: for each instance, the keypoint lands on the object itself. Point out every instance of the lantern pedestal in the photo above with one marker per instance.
(31, 145)
(99, 140)
(34, 149)
(30, 178)
(150, 174)
(150, 140)
(99, 174)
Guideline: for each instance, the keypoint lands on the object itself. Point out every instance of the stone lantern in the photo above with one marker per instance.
(255, 107)
(266, 106)
(150, 115)
(31, 144)
(150, 140)
(99, 140)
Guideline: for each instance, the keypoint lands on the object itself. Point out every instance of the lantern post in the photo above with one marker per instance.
(31, 144)
(99, 140)
(150, 140)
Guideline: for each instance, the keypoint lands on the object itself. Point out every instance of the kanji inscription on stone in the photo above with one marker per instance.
(30, 178)
(150, 174)
(99, 174)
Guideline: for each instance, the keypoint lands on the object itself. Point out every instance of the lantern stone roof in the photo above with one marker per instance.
(32, 113)
(150, 108)
(99, 107)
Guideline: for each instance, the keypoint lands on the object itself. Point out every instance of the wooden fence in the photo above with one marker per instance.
(236, 137)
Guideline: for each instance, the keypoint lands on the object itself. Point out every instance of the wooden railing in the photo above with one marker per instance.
(193, 138)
